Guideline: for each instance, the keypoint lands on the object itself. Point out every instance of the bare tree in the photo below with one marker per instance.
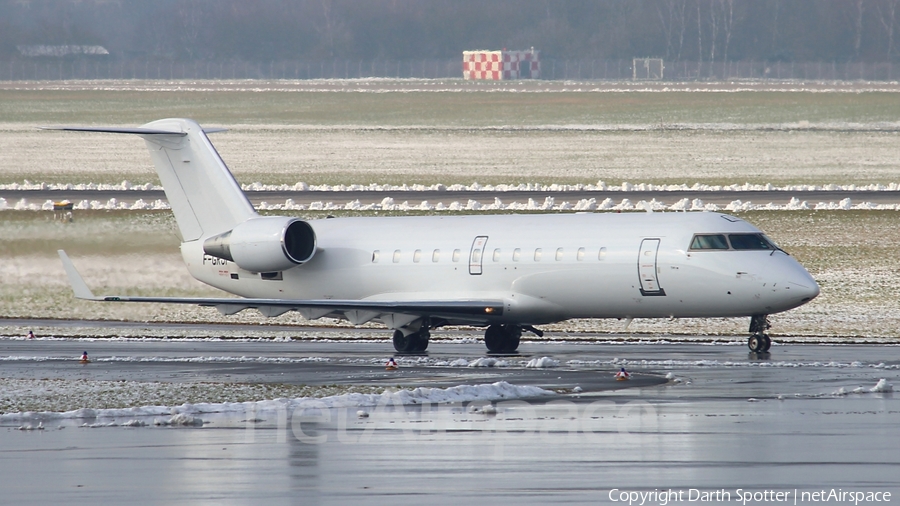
(887, 15)
(672, 19)
(699, 34)
(666, 20)
(191, 15)
(857, 39)
(775, 26)
(728, 25)
(714, 29)
(683, 24)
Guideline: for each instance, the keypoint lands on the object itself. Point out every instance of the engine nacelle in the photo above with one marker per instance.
(265, 244)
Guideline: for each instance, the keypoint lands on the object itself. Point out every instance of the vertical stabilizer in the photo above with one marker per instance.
(204, 195)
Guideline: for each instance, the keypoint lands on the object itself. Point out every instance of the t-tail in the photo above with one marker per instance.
(209, 204)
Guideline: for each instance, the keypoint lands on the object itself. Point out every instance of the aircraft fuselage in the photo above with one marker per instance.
(546, 268)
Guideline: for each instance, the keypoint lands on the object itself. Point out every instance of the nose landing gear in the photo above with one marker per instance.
(759, 341)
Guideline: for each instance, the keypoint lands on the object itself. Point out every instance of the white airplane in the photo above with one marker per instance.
(507, 273)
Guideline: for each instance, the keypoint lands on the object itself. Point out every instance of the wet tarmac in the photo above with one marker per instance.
(697, 424)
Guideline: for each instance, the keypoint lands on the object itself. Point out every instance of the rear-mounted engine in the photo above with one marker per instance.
(265, 244)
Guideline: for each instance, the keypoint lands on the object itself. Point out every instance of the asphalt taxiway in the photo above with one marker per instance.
(296, 363)
(716, 420)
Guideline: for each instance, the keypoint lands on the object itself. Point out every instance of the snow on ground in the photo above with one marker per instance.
(548, 204)
(599, 186)
(180, 403)
(542, 363)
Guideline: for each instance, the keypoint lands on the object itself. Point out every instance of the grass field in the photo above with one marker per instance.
(396, 132)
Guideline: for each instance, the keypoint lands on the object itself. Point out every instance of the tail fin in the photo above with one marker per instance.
(204, 195)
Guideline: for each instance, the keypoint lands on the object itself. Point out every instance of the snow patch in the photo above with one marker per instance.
(542, 363)
(488, 362)
(882, 386)
(181, 419)
(186, 414)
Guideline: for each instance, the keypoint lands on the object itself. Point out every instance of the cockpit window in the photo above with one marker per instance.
(749, 241)
(709, 241)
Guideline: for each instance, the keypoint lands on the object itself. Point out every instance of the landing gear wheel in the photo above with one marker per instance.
(757, 343)
(421, 340)
(416, 342)
(502, 338)
(403, 343)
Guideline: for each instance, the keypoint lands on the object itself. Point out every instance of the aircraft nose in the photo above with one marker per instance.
(808, 290)
(802, 285)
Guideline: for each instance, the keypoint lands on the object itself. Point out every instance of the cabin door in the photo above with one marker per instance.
(476, 254)
(648, 269)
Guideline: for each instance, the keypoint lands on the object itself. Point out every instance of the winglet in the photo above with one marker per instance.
(78, 285)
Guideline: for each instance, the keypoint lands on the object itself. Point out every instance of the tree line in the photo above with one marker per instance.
(356, 30)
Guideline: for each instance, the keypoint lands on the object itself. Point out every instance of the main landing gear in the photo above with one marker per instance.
(759, 341)
(497, 338)
(505, 338)
(415, 342)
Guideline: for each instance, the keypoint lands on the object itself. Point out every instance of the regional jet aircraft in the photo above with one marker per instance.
(506, 273)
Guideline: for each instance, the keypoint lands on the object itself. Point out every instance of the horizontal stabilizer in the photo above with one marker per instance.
(115, 130)
(122, 130)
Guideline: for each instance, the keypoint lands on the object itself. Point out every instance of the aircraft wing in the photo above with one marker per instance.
(393, 313)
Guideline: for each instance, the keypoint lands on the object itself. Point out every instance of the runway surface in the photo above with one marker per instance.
(485, 197)
(699, 420)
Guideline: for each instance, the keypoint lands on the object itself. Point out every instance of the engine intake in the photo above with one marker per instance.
(265, 244)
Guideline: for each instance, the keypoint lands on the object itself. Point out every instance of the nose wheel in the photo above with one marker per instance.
(759, 341)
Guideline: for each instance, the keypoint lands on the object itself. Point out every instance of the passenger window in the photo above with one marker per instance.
(436, 255)
(559, 254)
(456, 255)
(602, 254)
(749, 241)
(537, 255)
(580, 254)
(711, 241)
(516, 254)
(497, 255)
(375, 255)
(396, 256)
(476, 255)
(417, 255)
